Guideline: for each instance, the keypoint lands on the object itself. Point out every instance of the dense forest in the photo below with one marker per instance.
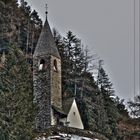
(101, 110)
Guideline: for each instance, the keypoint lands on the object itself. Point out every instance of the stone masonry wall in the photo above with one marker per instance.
(56, 93)
(42, 94)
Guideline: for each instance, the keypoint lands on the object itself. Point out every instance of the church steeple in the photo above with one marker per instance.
(46, 44)
(46, 79)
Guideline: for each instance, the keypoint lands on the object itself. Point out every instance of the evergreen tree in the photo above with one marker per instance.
(4, 24)
(72, 60)
(121, 107)
(135, 106)
(107, 93)
(16, 96)
(104, 82)
(74, 53)
(19, 26)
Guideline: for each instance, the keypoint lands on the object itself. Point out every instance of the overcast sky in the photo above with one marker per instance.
(107, 27)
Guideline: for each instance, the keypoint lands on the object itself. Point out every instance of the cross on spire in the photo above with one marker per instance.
(46, 9)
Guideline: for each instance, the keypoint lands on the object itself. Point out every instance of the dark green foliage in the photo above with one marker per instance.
(20, 27)
(111, 110)
(121, 107)
(104, 83)
(84, 112)
(16, 96)
(72, 60)
(135, 106)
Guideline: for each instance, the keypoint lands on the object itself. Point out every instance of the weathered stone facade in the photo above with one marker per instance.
(56, 97)
(42, 93)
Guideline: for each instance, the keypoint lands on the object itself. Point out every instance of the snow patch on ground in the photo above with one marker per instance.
(65, 137)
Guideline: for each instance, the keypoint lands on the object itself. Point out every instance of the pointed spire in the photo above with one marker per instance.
(46, 44)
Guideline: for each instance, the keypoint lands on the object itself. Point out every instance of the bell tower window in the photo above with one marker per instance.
(41, 64)
(55, 65)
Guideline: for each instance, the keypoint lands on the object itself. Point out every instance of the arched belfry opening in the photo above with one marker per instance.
(41, 64)
(55, 67)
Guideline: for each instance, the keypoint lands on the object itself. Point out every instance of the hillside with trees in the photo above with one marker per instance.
(101, 110)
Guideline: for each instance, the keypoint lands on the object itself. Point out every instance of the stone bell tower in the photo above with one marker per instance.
(46, 79)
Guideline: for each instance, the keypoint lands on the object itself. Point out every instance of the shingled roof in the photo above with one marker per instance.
(46, 44)
(60, 111)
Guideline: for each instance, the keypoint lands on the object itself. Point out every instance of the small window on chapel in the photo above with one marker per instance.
(55, 65)
(41, 64)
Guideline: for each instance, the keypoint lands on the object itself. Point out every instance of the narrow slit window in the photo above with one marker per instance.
(42, 64)
(55, 65)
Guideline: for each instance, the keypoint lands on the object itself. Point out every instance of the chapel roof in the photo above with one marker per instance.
(59, 111)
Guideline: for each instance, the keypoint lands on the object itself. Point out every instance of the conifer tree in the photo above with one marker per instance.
(107, 93)
(16, 96)
(135, 106)
(74, 62)
(72, 59)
